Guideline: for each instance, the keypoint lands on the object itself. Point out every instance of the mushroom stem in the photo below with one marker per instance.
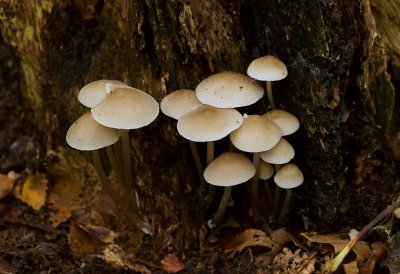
(210, 152)
(285, 206)
(269, 94)
(277, 193)
(116, 165)
(128, 177)
(270, 197)
(209, 159)
(105, 183)
(222, 205)
(197, 161)
(254, 180)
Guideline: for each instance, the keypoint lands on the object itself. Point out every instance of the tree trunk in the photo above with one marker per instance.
(338, 86)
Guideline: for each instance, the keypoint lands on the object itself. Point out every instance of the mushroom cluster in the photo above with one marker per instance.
(115, 109)
(209, 114)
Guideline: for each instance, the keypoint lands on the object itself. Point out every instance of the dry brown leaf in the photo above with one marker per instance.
(351, 268)
(81, 242)
(379, 251)
(6, 185)
(249, 237)
(361, 248)
(171, 264)
(68, 177)
(115, 256)
(33, 191)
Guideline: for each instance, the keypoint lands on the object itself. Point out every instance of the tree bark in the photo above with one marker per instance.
(338, 86)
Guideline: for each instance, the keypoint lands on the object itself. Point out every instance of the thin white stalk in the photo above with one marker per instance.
(127, 168)
(281, 219)
(222, 205)
(254, 180)
(269, 94)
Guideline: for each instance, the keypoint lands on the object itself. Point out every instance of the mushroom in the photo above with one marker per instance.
(267, 68)
(227, 170)
(255, 135)
(228, 89)
(282, 153)
(176, 104)
(88, 135)
(208, 124)
(125, 109)
(288, 177)
(95, 92)
(285, 120)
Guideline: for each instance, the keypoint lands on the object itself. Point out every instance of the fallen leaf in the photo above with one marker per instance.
(295, 262)
(379, 251)
(171, 264)
(32, 191)
(116, 257)
(68, 178)
(351, 268)
(81, 242)
(361, 248)
(249, 237)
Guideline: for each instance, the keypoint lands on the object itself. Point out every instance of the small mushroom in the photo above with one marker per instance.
(285, 120)
(268, 68)
(208, 124)
(228, 89)
(125, 109)
(176, 104)
(87, 135)
(288, 177)
(255, 135)
(95, 92)
(227, 170)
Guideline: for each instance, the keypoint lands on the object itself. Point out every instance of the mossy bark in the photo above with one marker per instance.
(338, 86)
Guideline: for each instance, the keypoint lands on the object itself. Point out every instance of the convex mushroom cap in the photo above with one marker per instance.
(289, 176)
(126, 108)
(95, 92)
(285, 120)
(282, 153)
(256, 134)
(179, 102)
(267, 68)
(86, 134)
(228, 89)
(266, 170)
(207, 123)
(229, 169)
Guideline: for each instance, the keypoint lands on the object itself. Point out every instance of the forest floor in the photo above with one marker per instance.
(50, 222)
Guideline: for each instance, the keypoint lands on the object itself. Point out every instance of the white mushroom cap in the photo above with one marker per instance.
(179, 102)
(282, 153)
(285, 120)
(228, 90)
(267, 68)
(229, 169)
(265, 170)
(256, 134)
(95, 92)
(207, 123)
(289, 176)
(126, 108)
(86, 134)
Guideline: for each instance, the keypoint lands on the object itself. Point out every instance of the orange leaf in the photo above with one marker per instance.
(171, 264)
(33, 191)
